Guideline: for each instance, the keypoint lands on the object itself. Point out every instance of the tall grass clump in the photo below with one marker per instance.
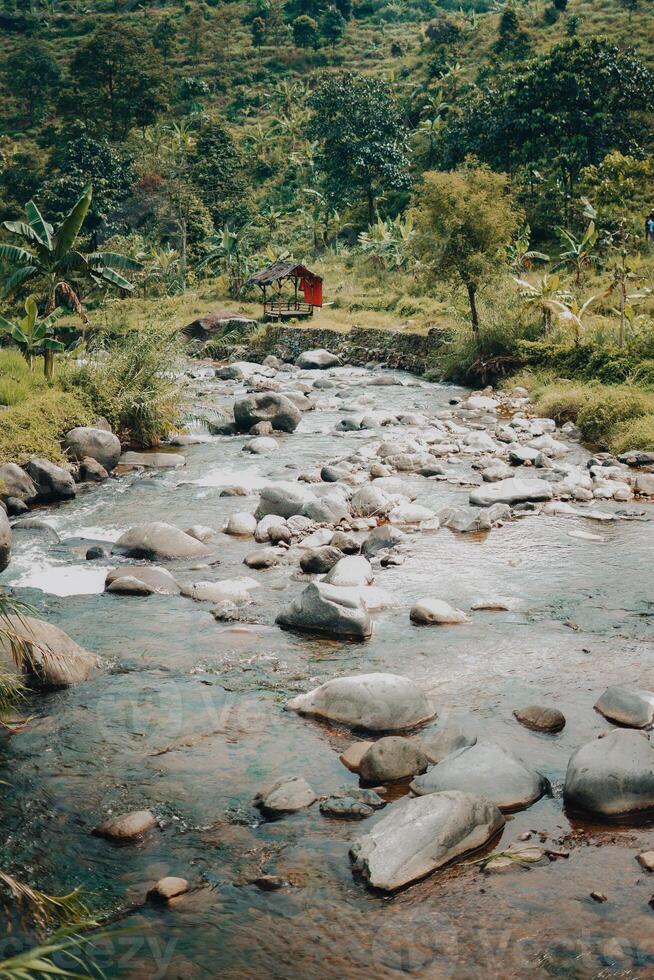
(616, 417)
(17, 382)
(131, 381)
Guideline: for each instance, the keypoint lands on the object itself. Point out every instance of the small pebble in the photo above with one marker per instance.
(598, 897)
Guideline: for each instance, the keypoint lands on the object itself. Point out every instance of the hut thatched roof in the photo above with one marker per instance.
(281, 270)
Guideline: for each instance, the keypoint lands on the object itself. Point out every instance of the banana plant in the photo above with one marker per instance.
(51, 257)
(541, 294)
(35, 336)
(579, 254)
(520, 254)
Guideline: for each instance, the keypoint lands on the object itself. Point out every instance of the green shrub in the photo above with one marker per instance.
(131, 382)
(561, 401)
(606, 407)
(635, 433)
(36, 426)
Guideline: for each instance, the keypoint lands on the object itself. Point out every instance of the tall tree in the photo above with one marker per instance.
(32, 76)
(216, 169)
(563, 111)
(363, 145)
(464, 221)
(80, 160)
(117, 80)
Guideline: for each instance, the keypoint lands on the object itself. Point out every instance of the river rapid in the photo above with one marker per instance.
(186, 717)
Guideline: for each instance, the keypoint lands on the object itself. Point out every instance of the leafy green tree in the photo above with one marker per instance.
(345, 7)
(464, 221)
(216, 169)
(563, 111)
(32, 76)
(84, 160)
(578, 253)
(117, 80)
(363, 146)
(333, 26)
(305, 32)
(620, 188)
(164, 38)
(512, 41)
(34, 336)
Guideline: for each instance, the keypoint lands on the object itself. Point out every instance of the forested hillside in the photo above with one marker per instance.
(219, 136)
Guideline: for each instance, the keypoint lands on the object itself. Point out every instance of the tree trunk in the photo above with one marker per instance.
(623, 297)
(371, 206)
(474, 316)
(182, 253)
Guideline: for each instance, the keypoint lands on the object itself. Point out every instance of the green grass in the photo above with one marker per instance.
(17, 382)
(35, 426)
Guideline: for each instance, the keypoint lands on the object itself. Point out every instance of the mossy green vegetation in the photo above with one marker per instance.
(35, 425)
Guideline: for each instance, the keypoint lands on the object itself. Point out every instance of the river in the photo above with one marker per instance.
(186, 717)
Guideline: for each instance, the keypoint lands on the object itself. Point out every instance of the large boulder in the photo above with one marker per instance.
(488, 769)
(417, 836)
(513, 491)
(99, 444)
(48, 657)
(52, 482)
(382, 538)
(284, 499)
(627, 706)
(445, 740)
(330, 610)
(286, 795)
(158, 540)
(317, 359)
(375, 702)
(140, 580)
(267, 406)
(612, 776)
(5, 540)
(350, 571)
(370, 501)
(436, 612)
(15, 482)
(317, 561)
(205, 326)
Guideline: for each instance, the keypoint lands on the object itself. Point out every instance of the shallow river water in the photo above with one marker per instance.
(187, 717)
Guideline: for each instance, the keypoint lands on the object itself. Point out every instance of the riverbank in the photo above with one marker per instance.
(187, 713)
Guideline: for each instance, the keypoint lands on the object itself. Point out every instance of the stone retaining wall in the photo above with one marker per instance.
(408, 351)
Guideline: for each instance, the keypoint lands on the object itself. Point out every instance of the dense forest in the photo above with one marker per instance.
(442, 165)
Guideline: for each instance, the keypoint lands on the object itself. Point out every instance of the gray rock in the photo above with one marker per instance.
(392, 757)
(375, 702)
(418, 836)
(519, 455)
(96, 553)
(50, 659)
(99, 444)
(152, 581)
(262, 429)
(128, 827)
(284, 499)
(261, 446)
(370, 501)
(155, 461)
(612, 776)
(435, 612)
(267, 406)
(382, 538)
(350, 571)
(511, 491)
(628, 706)
(262, 558)
(317, 561)
(317, 359)
(345, 807)
(441, 743)
(160, 540)
(345, 543)
(488, 769)
(286, 795)
(14, 506)
(300, 400)
(496, 472)
(540, 719)
(469, 521)
(167, 888)
(5, 540)
(330, 610)
(332, 474)
(15, 482)
(91, 471)
(327, 510)
(52, 482)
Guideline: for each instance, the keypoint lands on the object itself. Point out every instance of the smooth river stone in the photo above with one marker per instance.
(328, 610)
(418, 836)
(628, 706)
(485, 768)
(129, 826)
(513, 491)
(50, 659)
(286, 795)
(374, 702)
(540, 719)
(612, 776)
(160, 540)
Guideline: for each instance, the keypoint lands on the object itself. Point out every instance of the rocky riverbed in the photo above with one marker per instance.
(359, 681)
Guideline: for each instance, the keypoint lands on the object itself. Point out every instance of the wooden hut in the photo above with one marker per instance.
(277, 306)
